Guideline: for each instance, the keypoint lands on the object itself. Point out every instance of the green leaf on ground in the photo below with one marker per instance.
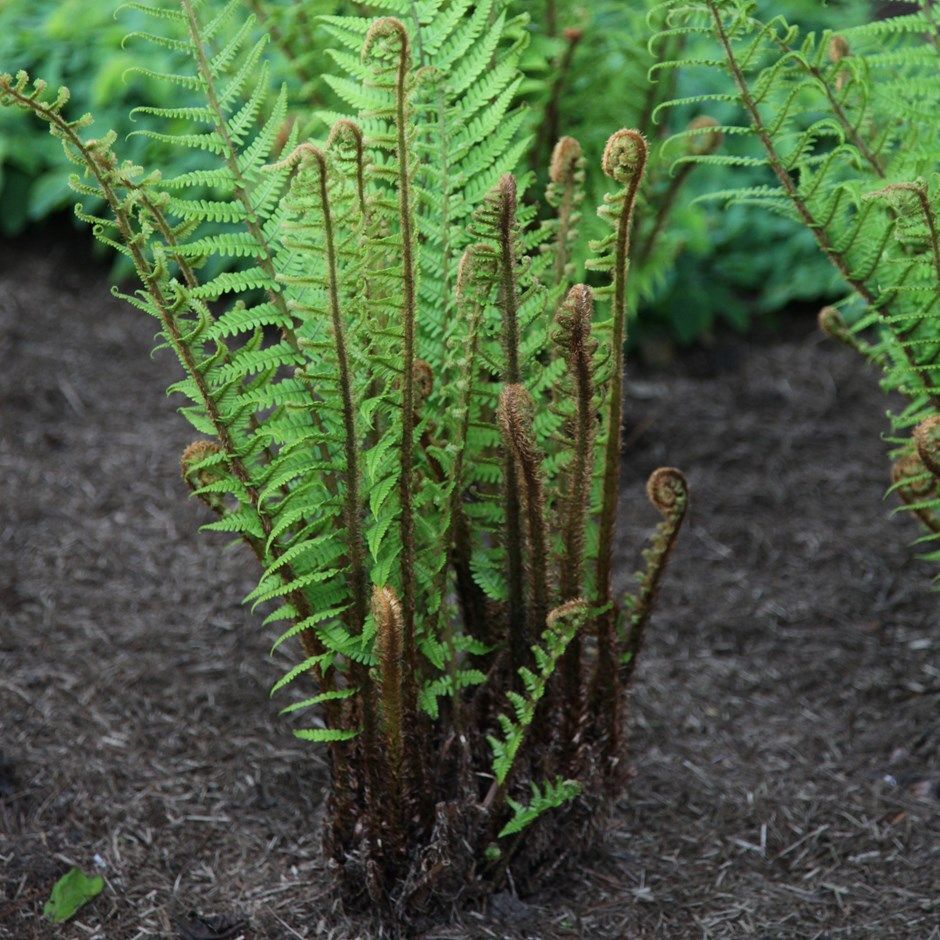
(69, 893)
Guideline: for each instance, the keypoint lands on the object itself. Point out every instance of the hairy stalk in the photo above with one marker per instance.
(389, 639)
(877, 302)
(358, 576)
(517, 623)
(624, 162)
(573, 322)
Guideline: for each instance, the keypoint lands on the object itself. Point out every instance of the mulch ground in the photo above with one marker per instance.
(784, 738)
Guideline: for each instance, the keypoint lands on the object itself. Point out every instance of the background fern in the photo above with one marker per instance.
(836, 124)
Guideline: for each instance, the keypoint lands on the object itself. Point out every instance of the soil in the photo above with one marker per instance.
(786, 781)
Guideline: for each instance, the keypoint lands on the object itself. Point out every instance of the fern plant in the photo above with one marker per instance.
(841, 125)
(411, 416)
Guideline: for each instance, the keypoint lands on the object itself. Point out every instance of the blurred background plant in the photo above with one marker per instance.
(589, 66)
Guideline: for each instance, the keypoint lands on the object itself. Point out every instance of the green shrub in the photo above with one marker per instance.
(412, 418)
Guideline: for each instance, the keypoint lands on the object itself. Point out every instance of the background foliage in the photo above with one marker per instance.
(709, 263)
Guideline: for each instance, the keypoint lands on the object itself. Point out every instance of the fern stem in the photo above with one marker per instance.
(851, 131)
(574, 323)
(517, 626)
(355, 542)
(409, 285)
(624, 162)
(388, 623)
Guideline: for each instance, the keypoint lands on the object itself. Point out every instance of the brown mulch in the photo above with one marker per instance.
(784, 737)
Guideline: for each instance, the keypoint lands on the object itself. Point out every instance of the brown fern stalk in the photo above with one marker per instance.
(389, 640)
(573, 337)
(355, 541)
(471, 598)
(624, 162)
(517, 621)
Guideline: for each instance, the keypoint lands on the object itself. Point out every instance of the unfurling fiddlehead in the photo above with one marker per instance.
(515, 413)
(624, 162)
(917, 487)
(565, 193)
(669, 493)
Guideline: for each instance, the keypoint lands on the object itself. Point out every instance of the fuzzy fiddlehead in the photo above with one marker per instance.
(624, 162)
(564, 194)
(927, 441)
(514, 415)
(917, 487)
(199, 467)
(669, 493)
